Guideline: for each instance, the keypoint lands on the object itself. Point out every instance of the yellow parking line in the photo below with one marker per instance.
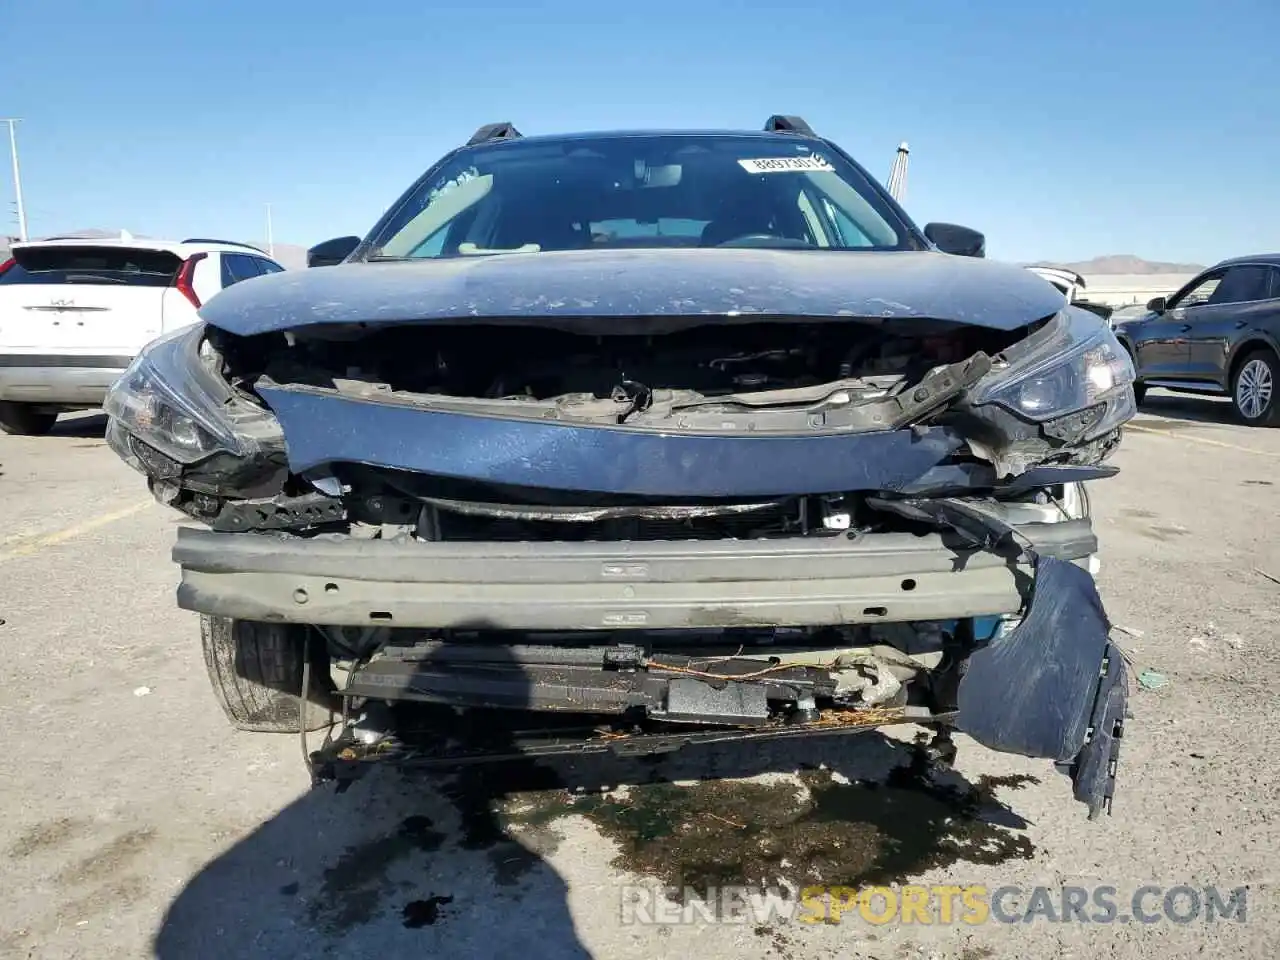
(61, 536)
(1205, 440)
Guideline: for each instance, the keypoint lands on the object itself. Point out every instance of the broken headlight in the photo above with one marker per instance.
(168, 399)
(1073, 377)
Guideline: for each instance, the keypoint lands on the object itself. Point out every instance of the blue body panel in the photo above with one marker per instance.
(642, 290)
(320, 429)
(1041, 690)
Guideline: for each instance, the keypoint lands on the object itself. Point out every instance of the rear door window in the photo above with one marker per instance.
(100, 266)
(1242, 284)
(268, 266)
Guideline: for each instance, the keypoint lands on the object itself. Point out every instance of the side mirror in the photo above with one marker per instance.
(955, 239)
(331, 251)
(1158, 305)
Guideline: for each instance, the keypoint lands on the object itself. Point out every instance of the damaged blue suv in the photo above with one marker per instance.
(628, 441)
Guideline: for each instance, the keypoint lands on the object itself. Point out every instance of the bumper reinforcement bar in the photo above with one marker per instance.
(809, 581)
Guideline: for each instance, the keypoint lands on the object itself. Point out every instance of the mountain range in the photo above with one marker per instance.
(1122, 263)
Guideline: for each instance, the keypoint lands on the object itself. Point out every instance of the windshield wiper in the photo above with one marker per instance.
(96, 278)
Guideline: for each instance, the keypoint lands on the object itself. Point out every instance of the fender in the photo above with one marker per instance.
(1255, 337)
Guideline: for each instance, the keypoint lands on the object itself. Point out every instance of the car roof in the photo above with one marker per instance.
(182, 248)
(1273, 259)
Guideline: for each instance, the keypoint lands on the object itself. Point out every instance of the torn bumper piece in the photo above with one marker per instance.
(1054, 686)
(809, 581)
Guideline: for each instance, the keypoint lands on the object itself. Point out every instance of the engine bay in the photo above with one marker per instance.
(721, 361)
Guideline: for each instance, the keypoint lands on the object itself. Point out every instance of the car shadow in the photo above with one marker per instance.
(1186, 407)
(406, 863)
(80, 425)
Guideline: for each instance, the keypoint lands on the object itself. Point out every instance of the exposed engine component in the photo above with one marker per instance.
(727, 676)
(628, 371)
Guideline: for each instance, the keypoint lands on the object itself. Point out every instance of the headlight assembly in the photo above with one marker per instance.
(1073, 377)
(169, 400)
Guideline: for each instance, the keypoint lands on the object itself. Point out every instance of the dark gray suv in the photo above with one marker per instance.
(630, 441)
(1220, 334)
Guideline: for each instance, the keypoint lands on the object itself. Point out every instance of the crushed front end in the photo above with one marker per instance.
(659, 533)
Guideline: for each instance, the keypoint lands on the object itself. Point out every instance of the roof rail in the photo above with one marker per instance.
(227, 243)
(783, 124)
(494, 131)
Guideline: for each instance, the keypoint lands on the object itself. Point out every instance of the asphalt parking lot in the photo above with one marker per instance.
(134, 822)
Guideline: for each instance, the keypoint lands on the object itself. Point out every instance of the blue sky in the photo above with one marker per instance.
(1061, 130)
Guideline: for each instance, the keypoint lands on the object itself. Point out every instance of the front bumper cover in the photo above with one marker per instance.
(1053, 687)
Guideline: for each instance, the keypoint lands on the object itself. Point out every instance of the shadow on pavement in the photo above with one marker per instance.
(80, 425)
(1187, 407)
(409, 864)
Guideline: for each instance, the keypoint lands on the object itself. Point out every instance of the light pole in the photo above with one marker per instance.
(898, 173)
(271, 247)
(17, 177)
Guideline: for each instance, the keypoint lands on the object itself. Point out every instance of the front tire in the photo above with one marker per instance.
(256, 673)
(1253, 389)
(25, 420)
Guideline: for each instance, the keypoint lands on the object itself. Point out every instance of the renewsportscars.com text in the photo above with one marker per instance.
(938, 904)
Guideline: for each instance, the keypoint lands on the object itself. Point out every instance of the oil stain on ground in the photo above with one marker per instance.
(424, 913)
(715, 832)
(489, 805)
(724, 832)
(351, 890)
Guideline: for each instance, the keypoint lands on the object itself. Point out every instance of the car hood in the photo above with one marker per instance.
(641, 290)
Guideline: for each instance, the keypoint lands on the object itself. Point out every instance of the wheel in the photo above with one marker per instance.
(24, 420)
(1253, 389)
(256, 673)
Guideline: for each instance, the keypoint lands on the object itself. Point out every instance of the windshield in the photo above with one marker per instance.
(641, 191)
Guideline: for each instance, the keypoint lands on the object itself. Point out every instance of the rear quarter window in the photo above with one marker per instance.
(111, 266)
(238, 267)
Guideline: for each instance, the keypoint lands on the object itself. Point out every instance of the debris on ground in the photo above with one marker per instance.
(1211, 633)
(1127, 653)
(1152, 680)
(141, 691)
(1258, 571)
(1129, 631)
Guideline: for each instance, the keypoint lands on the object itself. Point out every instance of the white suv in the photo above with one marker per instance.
(75, 311)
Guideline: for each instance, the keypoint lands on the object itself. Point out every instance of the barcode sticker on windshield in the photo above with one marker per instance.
(787, 165)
